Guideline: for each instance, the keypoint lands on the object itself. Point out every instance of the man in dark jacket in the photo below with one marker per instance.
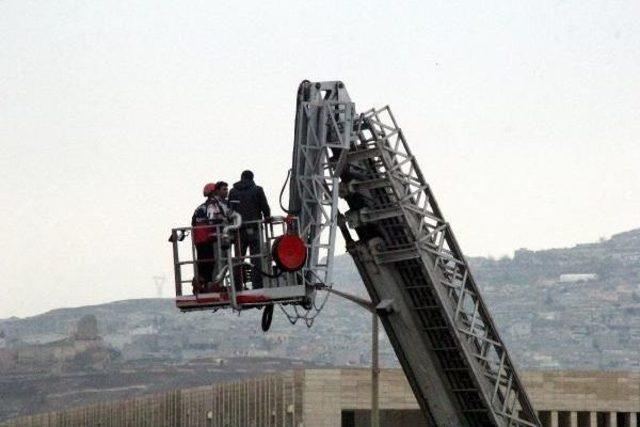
(249, 201)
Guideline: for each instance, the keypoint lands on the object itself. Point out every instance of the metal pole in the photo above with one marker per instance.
(176, 263)
(375, 372)
(375, 368)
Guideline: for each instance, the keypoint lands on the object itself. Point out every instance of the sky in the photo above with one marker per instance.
(524, 117)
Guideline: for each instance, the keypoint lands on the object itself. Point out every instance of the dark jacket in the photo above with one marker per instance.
(212, 211)
(249, 201)
(200, 214)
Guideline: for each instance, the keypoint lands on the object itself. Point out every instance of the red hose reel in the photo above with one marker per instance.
(289, 252)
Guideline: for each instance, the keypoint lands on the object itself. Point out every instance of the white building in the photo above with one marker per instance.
(577, 277)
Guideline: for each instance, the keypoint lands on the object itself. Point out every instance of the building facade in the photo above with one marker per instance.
(341, 397)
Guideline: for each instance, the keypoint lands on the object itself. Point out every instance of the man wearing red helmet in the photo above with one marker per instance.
(202, 238)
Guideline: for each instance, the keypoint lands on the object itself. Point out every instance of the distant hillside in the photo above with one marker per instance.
(518, 290)
(617, 257)
(548, 319)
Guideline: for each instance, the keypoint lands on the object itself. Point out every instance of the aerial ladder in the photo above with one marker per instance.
(416, 276)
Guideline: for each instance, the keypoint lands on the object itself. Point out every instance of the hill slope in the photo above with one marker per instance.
(548, 322)
(548, 318)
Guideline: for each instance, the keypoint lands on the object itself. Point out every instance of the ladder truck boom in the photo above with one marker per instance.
(323, 131)
(407, 255)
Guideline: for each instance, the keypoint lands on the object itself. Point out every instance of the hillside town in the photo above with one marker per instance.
(559, 308)
(576, 308)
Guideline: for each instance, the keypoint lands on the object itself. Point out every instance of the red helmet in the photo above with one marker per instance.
(208, 189)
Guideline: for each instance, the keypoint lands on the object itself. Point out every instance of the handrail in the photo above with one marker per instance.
(237, 222)
(222, 235)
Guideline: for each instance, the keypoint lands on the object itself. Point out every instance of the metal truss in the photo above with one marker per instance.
(407, 253)
(323, 131)
(419, 247)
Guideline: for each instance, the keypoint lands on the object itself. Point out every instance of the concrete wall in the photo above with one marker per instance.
(589, 399)
(563, 398)
(331, 397)
(584, 391)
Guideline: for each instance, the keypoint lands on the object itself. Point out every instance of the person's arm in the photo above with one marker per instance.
(233, 199)
(196, 216)
(227, 209)
(264, 205)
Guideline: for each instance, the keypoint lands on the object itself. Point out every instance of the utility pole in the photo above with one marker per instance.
(375, 366)
(375, 372)
(159, 283)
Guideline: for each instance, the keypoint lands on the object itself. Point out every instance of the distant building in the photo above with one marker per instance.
(87, 328)
(577, 277)
(83, 349)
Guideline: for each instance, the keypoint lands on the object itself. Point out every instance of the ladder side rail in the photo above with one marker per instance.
(433, 345)
(400, 190)
(383, 198)
(419, 245)
(453, 245)
(365, 140)
(454, 248)
(525, 404)
(449, 235)
(420, 374)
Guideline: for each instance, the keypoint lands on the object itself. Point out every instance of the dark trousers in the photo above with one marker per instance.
(205, 268)
(250, 239)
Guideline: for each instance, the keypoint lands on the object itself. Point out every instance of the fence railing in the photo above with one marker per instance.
(268, 401)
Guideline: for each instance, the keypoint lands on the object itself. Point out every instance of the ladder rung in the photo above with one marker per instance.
(427, 307)
(475, 410)
(354, 156)
(436, 328)
(385, 257)
(370, 184)
(367, 216)
(463, 369)
(417, 287)
(372, 215)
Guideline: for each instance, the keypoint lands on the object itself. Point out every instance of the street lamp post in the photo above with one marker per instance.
(385, 307)
(375, 372)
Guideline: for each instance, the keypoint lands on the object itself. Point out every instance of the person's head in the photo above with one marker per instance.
(209, 190)
(246, 175)
(222, 189)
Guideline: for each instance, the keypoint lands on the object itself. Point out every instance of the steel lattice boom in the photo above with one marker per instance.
(407, 255)
(324, 117)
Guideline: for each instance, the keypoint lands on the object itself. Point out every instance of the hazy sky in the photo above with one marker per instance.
(524, 116)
